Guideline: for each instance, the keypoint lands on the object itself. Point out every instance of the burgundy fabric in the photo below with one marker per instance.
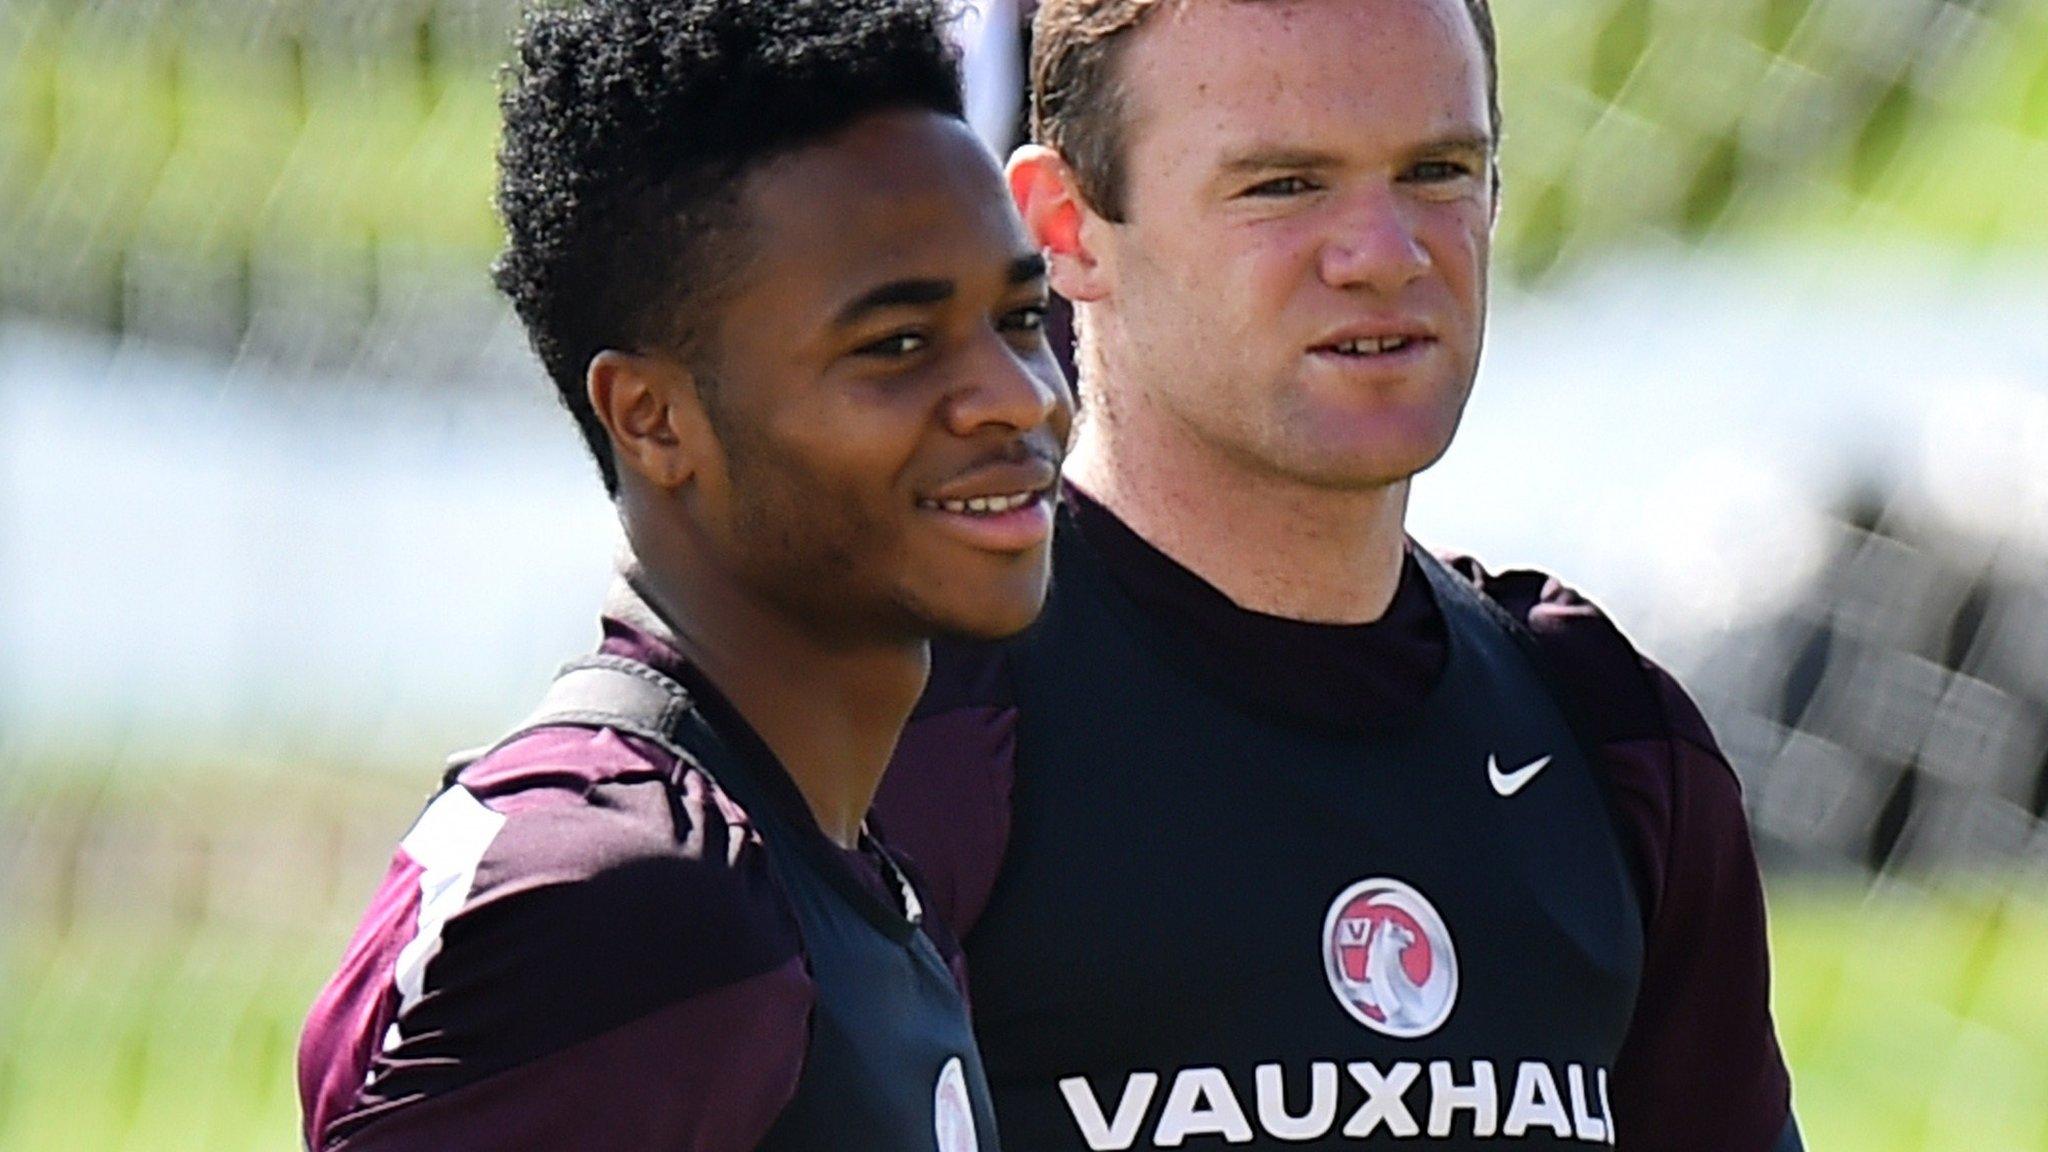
(667, 1080)
(1701, 1060)
(1701, 1066)
(949, 786)
(349, 1017)
(625, 972)
(606, 898)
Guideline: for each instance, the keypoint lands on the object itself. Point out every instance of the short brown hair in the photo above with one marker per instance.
(1077, 97)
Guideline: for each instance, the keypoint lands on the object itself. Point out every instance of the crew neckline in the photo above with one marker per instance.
(1335, 676)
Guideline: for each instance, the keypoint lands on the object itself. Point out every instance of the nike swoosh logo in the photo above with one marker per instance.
(1509, 783)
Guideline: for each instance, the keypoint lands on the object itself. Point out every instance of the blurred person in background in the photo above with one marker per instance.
(782, 290)
(1277, 830)
(992, 38)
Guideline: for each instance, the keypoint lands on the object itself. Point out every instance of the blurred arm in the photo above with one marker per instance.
(1701, 1068)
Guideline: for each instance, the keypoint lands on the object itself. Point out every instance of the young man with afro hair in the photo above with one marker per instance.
(781, 289)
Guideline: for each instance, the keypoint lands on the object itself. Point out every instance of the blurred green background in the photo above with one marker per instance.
(259, 141)
(269, 187)
(172, 929)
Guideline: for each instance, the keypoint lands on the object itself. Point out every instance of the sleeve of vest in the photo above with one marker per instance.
(1701, 1067)
(593, 986)
(945, 802)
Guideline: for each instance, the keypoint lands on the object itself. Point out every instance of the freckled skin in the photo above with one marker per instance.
(1218, 294)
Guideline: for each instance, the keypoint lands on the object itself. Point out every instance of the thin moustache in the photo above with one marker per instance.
(1023, 466)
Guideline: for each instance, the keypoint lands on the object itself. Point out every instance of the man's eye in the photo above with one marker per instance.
(893, 345)
(1438, 172)
(1280, 186)
(1027, 319)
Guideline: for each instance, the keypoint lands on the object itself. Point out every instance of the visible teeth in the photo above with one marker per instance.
(984, 505)
(1373, 345)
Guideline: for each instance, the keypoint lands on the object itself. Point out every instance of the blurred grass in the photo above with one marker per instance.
(144, 172)
(142, 156)
(152, 987)
(1915, 1019)
(163, 928)
(119, 1041)
(176, 133)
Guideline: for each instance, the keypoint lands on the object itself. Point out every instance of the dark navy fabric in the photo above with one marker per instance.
(890, 1024)
(1230, 835)
(1699, 1070)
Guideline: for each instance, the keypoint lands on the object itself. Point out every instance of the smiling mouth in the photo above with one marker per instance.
(995, 505)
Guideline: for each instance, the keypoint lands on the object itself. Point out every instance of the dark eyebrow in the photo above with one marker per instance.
(917, 293)
(1262, 159)
(1025, 269)
(1266, 158)
(1481, 145)
(896, 294)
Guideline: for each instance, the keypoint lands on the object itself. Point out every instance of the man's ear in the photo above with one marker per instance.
(1060, 221)
(651, 408)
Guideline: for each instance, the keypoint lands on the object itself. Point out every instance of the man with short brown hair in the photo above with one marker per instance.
(1077, 108)
(1279, 831)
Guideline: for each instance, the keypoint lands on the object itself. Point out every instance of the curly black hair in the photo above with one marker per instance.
(628, 126)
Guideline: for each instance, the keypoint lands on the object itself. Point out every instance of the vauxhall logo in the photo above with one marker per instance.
(1389, 958)
(1402, 1101)
(1391, 965)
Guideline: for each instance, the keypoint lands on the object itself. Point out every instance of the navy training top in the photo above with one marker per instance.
(1157, 933)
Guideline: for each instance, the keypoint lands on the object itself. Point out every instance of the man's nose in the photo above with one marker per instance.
(1001, 388)
(1373, 244)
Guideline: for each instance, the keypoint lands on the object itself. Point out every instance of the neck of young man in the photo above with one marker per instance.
(830, 709)
(1271, 543)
